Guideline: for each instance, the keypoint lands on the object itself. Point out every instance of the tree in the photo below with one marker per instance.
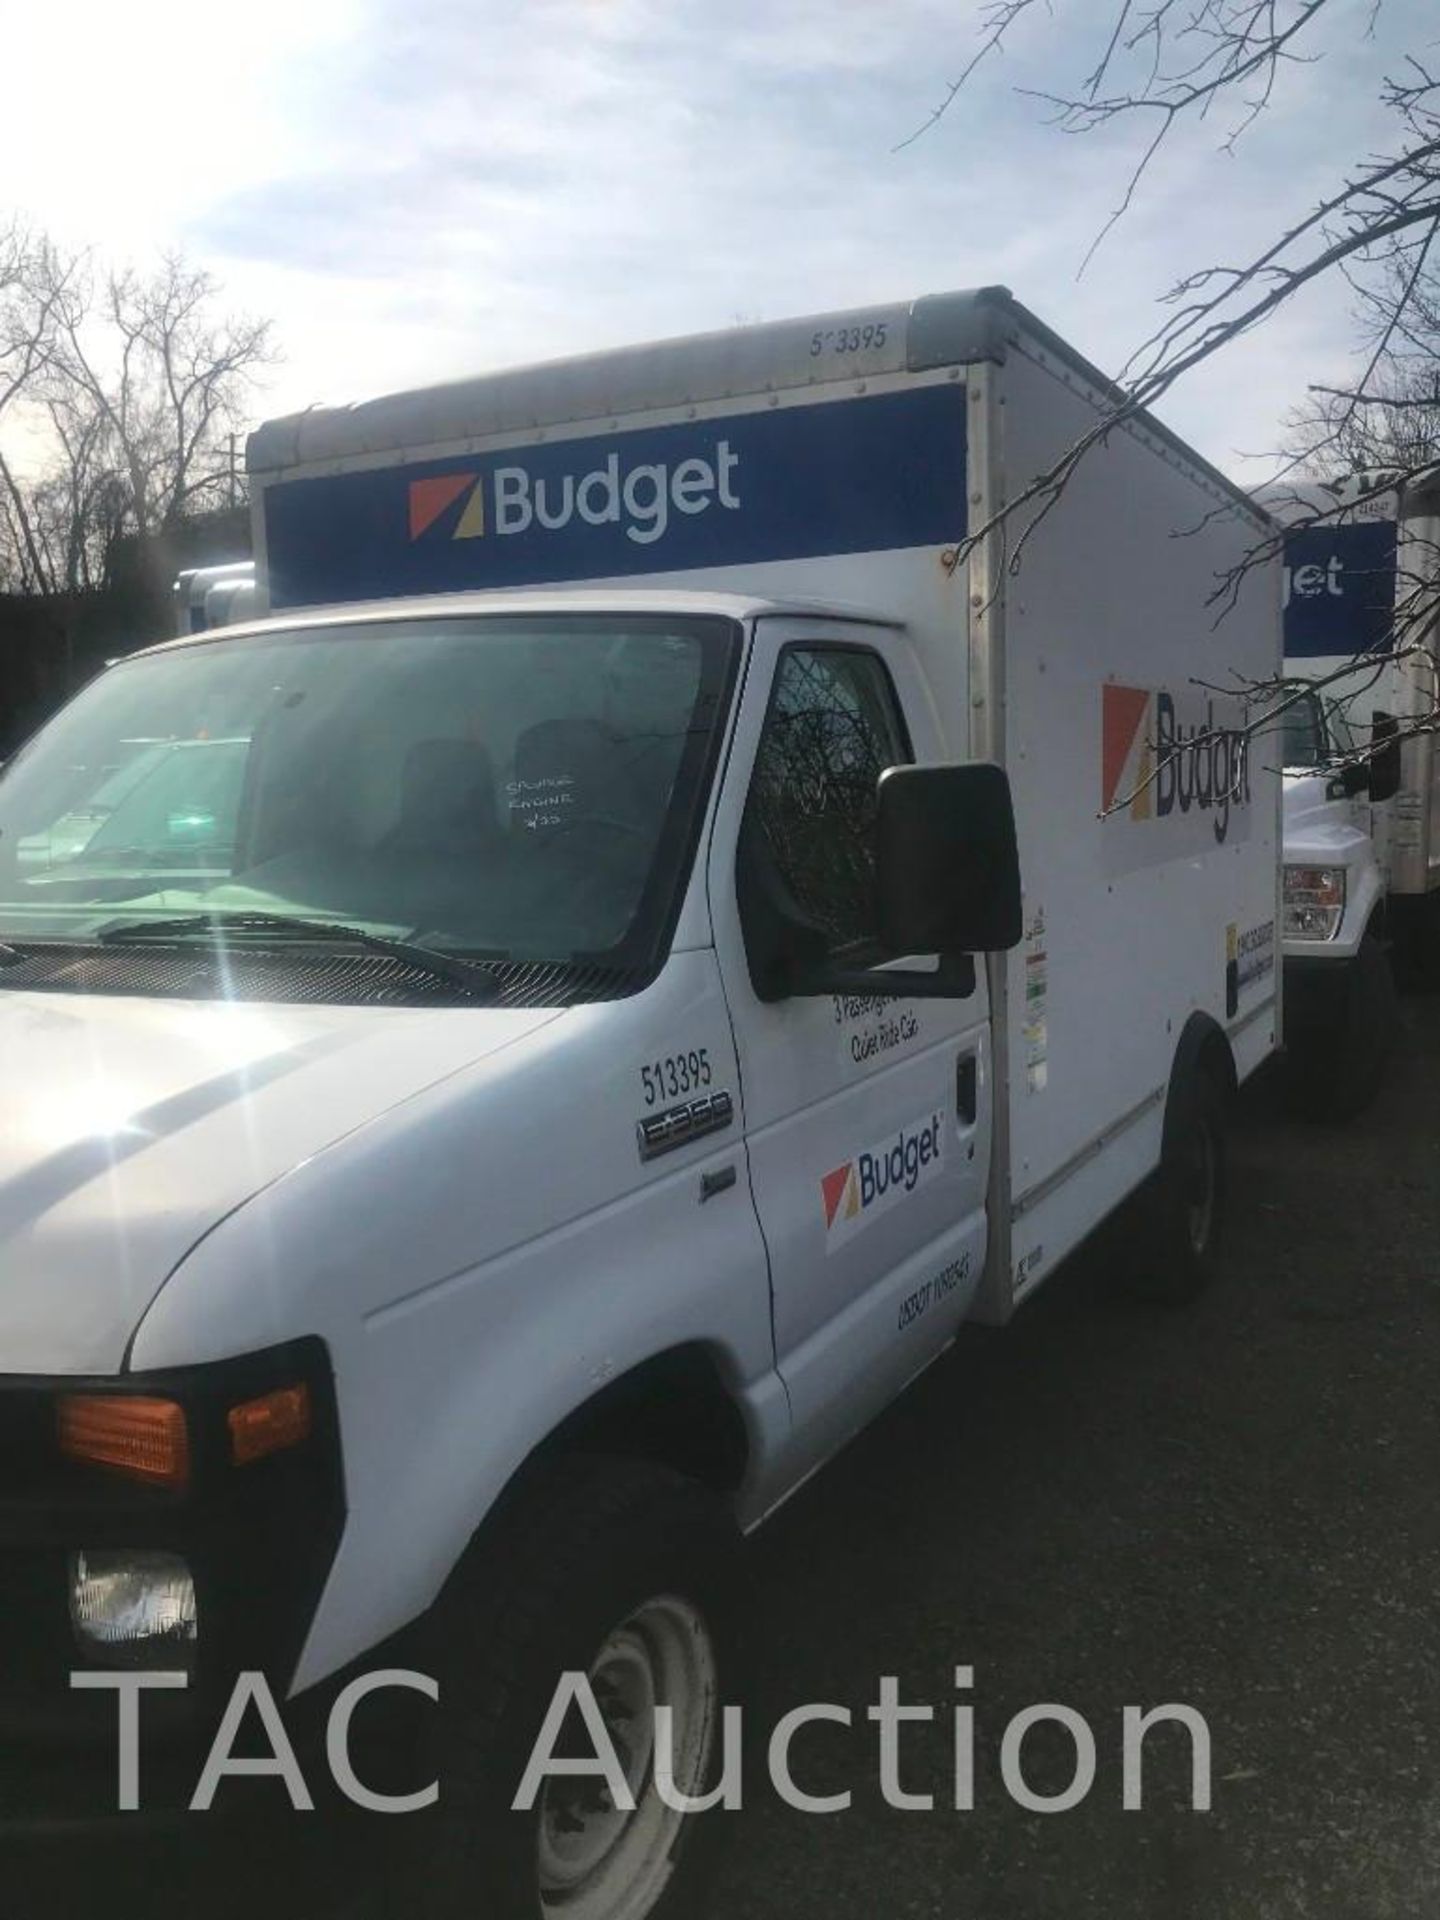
(1395, 425)
(138, 384)
(150, 372)
(33, 279)
(1157, 65)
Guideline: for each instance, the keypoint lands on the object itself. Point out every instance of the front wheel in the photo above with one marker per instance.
(605, 1596)
(1336, 1070)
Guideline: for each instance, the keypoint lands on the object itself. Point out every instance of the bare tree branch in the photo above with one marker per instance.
(138, 382)
(1155, 65)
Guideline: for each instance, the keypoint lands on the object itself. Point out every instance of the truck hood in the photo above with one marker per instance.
(129, 1128)
(1318, 830)
(1305, 809)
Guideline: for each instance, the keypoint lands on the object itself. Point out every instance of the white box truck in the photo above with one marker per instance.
(214, 596)
(1361, 790)
(566, 1043)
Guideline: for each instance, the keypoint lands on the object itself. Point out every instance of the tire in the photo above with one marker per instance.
(622, 1571)
(1415, 952)
(1176, 1250)
(1336, 1072)
(1427, 945)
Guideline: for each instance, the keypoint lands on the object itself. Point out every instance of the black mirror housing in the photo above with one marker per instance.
(1384, 757)
(949, 870)
(1349, 782)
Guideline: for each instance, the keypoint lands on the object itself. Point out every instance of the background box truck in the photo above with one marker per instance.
(215, 596)
(1361, 818)
(600, 1050)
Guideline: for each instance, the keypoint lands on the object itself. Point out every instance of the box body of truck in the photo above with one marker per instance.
(843, 461)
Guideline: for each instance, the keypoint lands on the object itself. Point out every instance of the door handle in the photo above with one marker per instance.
(967, 1087)
(720, 1181)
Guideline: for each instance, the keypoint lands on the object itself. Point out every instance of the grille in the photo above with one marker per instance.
(309, 978)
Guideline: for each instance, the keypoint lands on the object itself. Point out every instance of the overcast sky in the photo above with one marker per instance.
(415, 189)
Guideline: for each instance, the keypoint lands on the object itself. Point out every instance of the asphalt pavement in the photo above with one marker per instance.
(1231, 1506)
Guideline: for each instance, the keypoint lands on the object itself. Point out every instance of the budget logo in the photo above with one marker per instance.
(1156, 764)
(860, 1190)
(642, 501)
(432, 496)
(1127, 730)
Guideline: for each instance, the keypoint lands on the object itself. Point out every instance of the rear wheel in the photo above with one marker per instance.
(1178, 1222)
(621, 1572)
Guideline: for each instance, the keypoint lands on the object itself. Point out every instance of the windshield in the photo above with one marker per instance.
(516, 788)
(1314, 731)
(1302, 732)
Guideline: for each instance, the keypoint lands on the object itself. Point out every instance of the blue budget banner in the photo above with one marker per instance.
(841, 476)
(1339, 589)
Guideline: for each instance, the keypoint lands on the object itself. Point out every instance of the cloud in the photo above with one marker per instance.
(416, 190)
(117, 123)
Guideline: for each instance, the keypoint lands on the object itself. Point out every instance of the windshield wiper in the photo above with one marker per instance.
(431, 960)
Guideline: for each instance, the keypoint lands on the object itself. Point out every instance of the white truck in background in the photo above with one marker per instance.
(1361, 809)
(688, 934)
(215, 596)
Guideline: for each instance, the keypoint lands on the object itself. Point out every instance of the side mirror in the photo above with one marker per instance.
(1350, 781)
(947, 883)
(948, 868)
(1384, 757)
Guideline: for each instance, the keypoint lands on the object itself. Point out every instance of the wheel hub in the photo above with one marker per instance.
(598, 1861)
(1200, 1191)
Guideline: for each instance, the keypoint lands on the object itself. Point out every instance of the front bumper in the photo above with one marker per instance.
(66, 1853)
(259, 1540)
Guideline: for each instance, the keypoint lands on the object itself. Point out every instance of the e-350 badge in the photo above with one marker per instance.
(677, 1126)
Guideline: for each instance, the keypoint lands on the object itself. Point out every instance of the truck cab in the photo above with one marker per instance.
(1354, 793)
(1339, 988)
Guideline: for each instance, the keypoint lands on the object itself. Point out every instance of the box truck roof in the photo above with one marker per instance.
(937, 330)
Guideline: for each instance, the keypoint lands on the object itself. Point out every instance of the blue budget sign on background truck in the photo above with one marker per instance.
(686, 932)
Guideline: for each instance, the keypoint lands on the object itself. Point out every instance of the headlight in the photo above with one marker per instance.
(1314, 902)
(133, 1609)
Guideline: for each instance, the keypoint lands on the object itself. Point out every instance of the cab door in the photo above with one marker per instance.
(867, 1115)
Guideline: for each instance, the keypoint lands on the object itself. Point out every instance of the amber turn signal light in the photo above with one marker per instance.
(270, 1424)
(143, 1438)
